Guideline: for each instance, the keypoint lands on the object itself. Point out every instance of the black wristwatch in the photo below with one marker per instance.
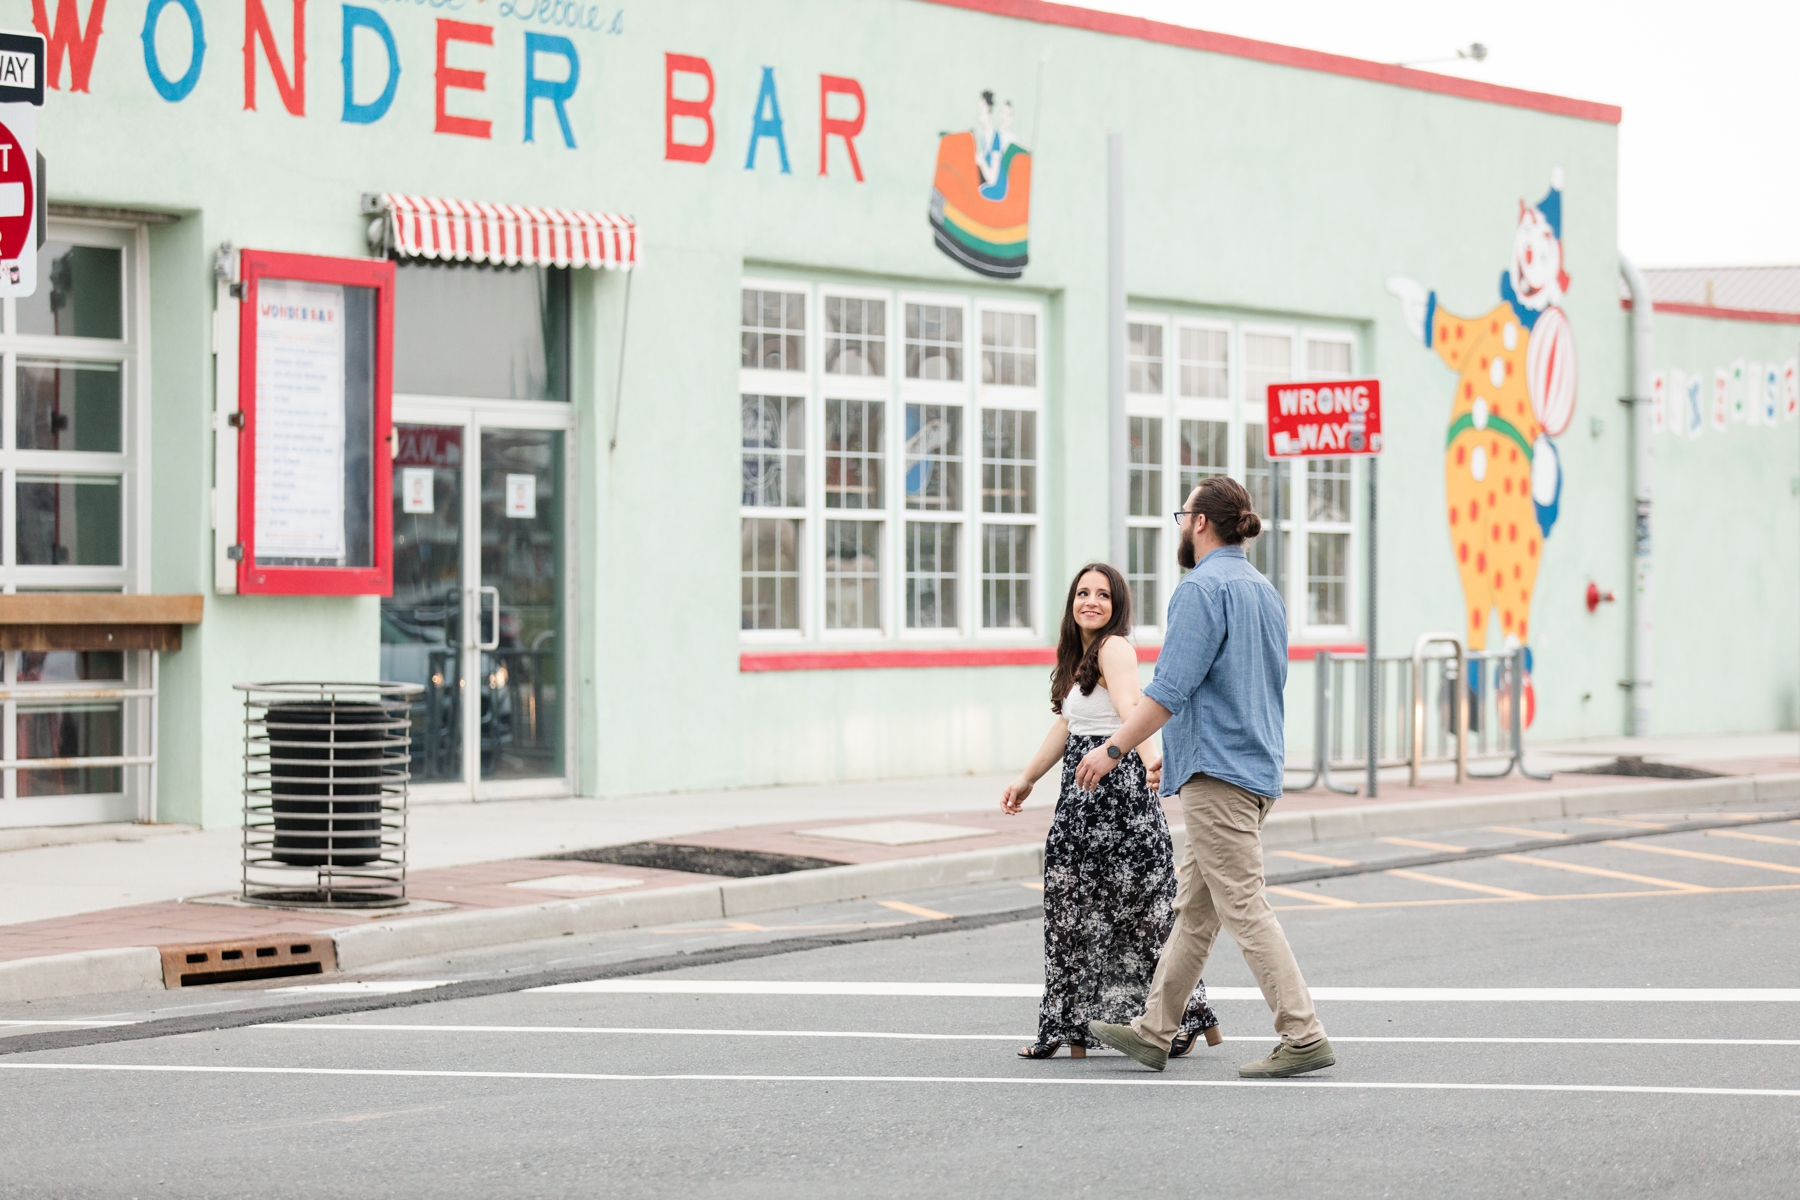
(1113, 752)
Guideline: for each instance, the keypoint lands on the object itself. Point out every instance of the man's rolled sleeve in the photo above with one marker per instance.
(1190, 644)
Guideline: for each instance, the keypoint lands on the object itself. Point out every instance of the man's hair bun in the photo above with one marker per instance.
(1225, 504)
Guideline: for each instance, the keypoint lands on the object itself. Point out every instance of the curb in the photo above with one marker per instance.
(83, 973)
(360, 947)
(364, 946)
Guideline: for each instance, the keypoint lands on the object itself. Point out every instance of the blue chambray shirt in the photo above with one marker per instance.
(1222, 672)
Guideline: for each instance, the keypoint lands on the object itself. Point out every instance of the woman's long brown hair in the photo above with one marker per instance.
(1078, 665)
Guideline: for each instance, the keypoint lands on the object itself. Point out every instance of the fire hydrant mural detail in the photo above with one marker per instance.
(1515, 391)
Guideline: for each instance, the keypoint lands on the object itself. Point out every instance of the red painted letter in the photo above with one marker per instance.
(452, 77)
(68, 36)
(828, 124)
(256, 27)
(700, 110)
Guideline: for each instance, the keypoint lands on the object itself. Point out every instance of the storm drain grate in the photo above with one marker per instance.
(700, 860)
(270, 957)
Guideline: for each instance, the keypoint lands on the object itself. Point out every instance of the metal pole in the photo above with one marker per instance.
(1117, 433)
(1374, 664)
(1277, 551)
(1643, 466)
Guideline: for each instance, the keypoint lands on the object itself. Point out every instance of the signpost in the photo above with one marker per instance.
(1336, 419)
(21, 183)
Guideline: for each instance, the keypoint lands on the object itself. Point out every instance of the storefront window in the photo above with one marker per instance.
(68, 470)
(481, 333)
(923, 522)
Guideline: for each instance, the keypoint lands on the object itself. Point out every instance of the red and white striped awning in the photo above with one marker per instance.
(508, 234)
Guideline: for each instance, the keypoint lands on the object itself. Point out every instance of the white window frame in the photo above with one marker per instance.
(961, 393)
(1019, 399)
(1148, 625)
(896, 391)
(764, 382)
(131, 465)
(1304, 525)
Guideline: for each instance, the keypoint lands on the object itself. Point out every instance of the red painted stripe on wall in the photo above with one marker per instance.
(950, 656)
(1720, 314)
(1287, 56)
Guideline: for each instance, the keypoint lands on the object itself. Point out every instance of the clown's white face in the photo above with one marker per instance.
(1537, 275)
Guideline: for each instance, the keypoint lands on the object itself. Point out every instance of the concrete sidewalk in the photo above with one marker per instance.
(89, 916)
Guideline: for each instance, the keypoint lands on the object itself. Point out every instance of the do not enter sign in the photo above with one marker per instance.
(1324, 420)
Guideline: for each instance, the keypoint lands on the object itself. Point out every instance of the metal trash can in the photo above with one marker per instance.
(326, 769)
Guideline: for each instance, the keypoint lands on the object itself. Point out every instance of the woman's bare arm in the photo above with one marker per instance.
(1119, 671)
(1047, 756)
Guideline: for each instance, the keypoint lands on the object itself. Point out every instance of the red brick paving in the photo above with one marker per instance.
(483, 885)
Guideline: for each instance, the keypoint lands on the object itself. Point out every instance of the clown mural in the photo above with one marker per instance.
(1515, 391)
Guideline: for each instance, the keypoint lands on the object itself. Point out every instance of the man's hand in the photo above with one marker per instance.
(1153, 770)
(1093, 768)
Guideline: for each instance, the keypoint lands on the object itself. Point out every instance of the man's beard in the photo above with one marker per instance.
(1184, 554)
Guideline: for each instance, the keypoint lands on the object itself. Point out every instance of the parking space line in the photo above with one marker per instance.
(1527, 899)
(1530, 833)
(1620, 821)
(1446, 881)
(1602, 871)
(1418, 845)
(1751, 837)
(1299, 856)
(73, 1024)
(749, 927)
(1319, 899)
(1296, 1085)
(930, 914)
(369, 1027)
(1721, 858)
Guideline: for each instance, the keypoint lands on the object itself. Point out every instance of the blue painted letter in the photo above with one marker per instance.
(176, 89)
(769, 125)
(368, 18)
(556, 91)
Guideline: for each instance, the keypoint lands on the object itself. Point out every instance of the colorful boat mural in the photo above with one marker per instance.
(1515, 391)
(981, 196)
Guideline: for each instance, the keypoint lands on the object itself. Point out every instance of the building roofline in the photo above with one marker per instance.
(1147, 30)
(1719, 314)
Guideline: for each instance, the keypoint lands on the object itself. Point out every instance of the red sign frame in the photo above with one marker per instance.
(1335, 418)
(378, 578)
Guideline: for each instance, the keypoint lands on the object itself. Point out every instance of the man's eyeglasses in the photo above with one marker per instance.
(1187, 512)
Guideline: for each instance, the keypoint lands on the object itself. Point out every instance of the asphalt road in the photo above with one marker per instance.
(768, 1076)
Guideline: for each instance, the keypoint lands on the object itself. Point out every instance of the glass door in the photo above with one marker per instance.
(478, 614)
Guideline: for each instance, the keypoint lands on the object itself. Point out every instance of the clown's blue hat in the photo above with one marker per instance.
(1551, 204)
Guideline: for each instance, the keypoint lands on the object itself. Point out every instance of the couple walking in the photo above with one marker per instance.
(1123, 941)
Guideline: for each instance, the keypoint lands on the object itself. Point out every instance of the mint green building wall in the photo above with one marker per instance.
(1253, 190)
(1727, 543)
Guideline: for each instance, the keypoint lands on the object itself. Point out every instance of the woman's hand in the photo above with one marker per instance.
(1013, 799)
(1153, 769)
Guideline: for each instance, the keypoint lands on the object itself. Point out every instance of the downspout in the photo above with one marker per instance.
(1643, 652)
(1118, 433)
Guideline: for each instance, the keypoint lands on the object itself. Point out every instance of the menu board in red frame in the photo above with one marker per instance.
(315, 391)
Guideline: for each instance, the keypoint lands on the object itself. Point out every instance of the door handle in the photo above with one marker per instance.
(480, 642)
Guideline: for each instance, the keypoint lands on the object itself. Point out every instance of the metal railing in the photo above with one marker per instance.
(1467, 720)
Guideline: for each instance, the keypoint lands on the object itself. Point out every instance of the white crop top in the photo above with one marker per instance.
(1092, 715)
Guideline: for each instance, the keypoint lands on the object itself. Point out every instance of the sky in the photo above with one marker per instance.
(1709, 150)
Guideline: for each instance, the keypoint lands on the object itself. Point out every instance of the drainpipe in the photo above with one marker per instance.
(1642, 649)
(1117, 431)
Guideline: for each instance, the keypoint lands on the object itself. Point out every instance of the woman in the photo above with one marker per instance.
(1109, 869)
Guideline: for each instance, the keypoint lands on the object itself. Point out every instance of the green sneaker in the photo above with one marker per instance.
(1125, 1040)
(1286, 1060)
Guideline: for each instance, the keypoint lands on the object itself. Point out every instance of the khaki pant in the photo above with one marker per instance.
(1222, 885)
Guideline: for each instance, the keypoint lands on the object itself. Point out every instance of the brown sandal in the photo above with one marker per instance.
(1049, 1049)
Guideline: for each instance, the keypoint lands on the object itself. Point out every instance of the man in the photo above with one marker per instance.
(1218, 688)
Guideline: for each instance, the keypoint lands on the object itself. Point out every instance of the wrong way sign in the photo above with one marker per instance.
(1324, 419)
(21, 201)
